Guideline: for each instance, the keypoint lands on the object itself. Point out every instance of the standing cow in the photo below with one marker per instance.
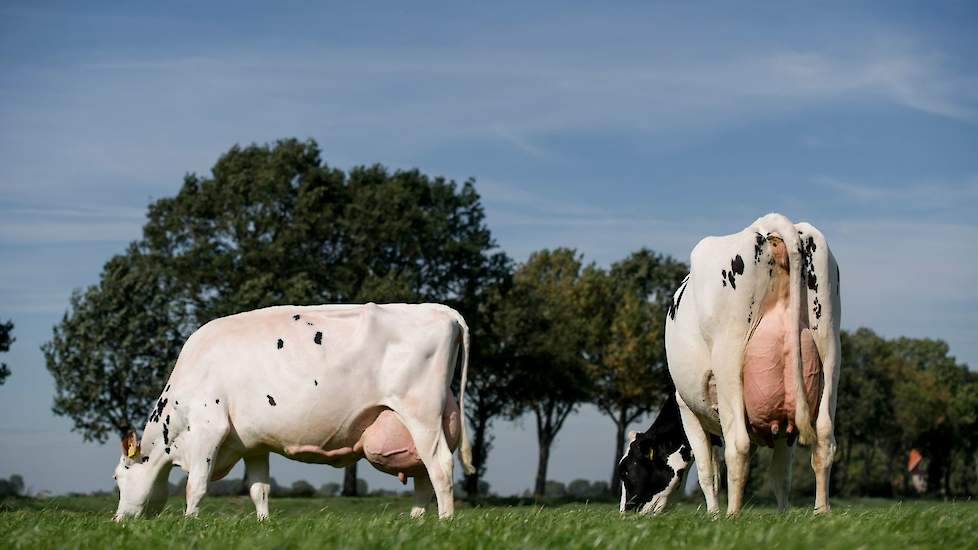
(752, 341)
(319, 384)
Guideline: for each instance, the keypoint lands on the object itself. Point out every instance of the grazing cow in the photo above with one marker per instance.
(752, 342)
(654, 464)
(319, 384)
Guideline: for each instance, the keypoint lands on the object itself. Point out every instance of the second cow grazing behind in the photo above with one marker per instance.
(752, 342)
(319, 384)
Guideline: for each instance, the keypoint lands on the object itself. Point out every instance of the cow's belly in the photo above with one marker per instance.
(377, 435)
(769, 379)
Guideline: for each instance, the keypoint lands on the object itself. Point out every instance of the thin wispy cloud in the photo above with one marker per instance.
(925, 195)
(37, 225)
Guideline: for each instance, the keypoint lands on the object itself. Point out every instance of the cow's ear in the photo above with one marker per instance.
(631, 436)
(130, 445)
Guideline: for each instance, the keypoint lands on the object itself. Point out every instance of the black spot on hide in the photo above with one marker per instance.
(318, 338)
(281, 343)
(167, 450)
(217, 401)
(154, 416)
(315, 382)
(806, 248)
(674, 306)
(271, 400)
(166, 435)
(145, 459)
(295, 317)
(759, 241)
(737, 265)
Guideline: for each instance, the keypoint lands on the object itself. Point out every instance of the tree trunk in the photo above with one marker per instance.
(868, 467)
(947, 476)
(620, 424)
(540, 487)
(350, 481)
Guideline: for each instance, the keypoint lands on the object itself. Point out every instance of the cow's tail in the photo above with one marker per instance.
(465, 449)
(792, 244)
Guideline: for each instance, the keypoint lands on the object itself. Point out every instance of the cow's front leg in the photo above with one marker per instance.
(423, 492)
(706, 467)
(727, 362)
(201, 452)
(780, 472)
(258, 482)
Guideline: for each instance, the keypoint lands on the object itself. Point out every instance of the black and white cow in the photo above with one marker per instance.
(752, 341)
(655, 461)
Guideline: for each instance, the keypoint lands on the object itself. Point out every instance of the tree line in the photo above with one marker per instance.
(274, 224)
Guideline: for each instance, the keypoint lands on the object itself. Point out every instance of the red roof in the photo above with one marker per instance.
(914, 459)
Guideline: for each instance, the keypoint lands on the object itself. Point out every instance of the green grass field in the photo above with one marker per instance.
(83, 522)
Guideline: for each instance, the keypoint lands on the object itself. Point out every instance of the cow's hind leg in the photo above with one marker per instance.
(423, 492)
(437, 457)
(727, 361)
(706, 467)
(780, 473)
(823, 452)
(200, 455)
(258, 481)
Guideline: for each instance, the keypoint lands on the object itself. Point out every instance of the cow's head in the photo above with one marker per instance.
(654, 463)
(142, 485)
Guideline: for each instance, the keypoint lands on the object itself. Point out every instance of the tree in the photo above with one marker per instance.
(303, 489)
(490, 379)
(12, 487)
(540, 327)
(5, 340)
(273, 224)
(328, 489)
(897, 395)
(114, 347)
(626, 360)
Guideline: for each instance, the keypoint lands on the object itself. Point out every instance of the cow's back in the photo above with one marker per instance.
(308, 375)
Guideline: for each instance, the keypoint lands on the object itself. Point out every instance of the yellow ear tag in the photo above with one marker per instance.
(132, 450)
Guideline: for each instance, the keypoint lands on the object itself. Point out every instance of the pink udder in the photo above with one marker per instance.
(769, 378)
(388, 445)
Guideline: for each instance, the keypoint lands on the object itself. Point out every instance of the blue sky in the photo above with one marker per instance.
(601, 128)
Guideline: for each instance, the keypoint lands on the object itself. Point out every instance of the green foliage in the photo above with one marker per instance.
(383, 522)
(625, 311)
(540, 327)
(12, 487)
(900, 394)
(6, 339)
(114, 348)
(274, 224)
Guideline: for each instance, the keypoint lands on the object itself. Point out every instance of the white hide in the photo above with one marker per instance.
(707, 334)
(303, 382)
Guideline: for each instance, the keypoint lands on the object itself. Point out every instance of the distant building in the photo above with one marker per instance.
(917, 471)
